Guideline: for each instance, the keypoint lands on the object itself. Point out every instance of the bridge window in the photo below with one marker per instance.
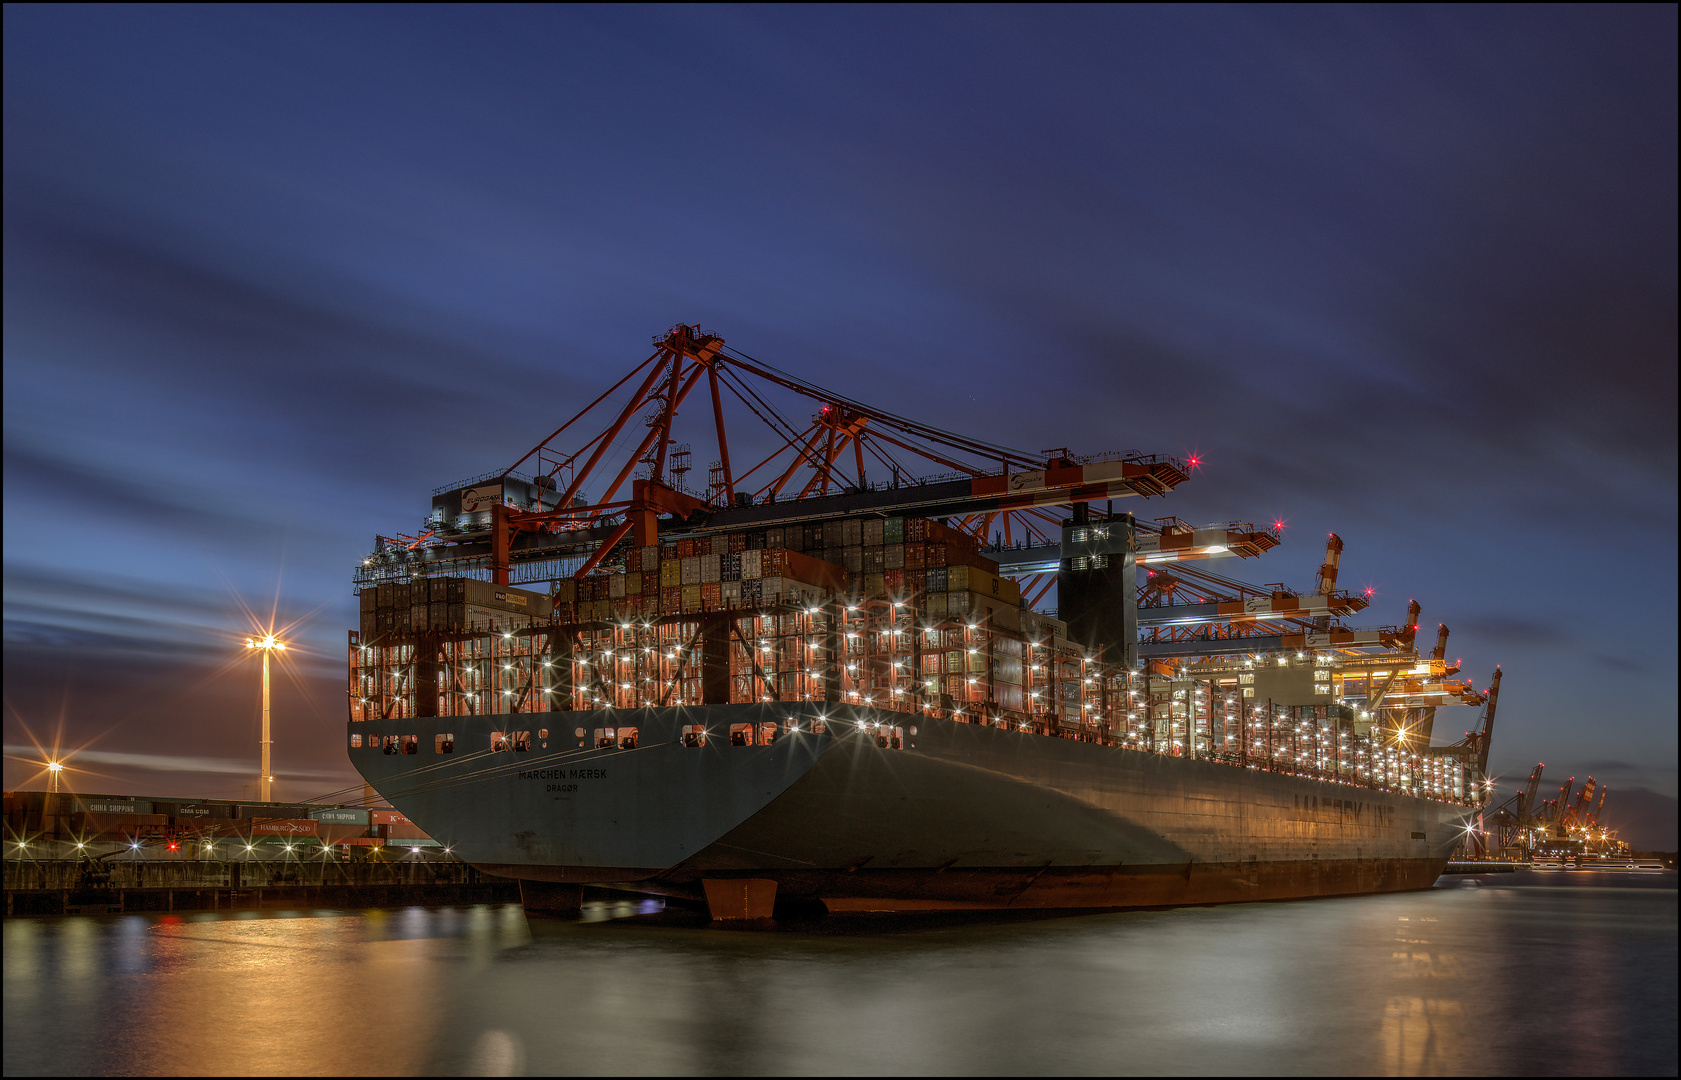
(694, 735)
(390, 745)
(498, 742)
(411, 744)
(522, 741)
(818, 727)
(444, 743)
(356, 742)
(890, 738)
(603, 738)
(627, 738)
(741, 734)
(767, 733)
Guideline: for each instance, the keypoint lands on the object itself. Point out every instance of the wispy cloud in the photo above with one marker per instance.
(175, 763)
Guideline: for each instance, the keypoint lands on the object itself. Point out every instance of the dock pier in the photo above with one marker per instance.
(38, 887)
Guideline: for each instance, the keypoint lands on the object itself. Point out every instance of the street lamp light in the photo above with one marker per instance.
(53, 769)
(267, 644)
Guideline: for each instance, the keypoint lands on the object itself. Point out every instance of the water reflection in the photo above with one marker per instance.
(1397, 984)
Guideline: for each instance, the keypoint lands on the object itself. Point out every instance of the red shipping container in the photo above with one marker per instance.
(933, 556)
(565, 613)
(685, 549)
(633, 561)
(738, 541)
(387, 817)
(671, 600)
(916, 556)
(651, 584)
(780, 562)
(712, 596)
(895, 580)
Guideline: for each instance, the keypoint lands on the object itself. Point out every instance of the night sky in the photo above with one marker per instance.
(272, 274)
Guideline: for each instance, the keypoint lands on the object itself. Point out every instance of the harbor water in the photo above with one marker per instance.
(1532, 973)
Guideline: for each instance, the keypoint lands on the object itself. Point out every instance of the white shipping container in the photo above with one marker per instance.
(720, 544)
(893, 557)
(750, 564)
(1036, 625)
(785, 590)
(711, 569)
(732, 593)
(616, 586)
(483, 618)
(691, 570)
(871, 532)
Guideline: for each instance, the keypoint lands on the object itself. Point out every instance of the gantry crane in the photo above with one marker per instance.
(847, 458)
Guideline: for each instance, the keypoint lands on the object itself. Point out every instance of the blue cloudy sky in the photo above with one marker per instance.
(273, 273)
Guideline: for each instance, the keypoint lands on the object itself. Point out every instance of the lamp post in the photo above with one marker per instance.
(267, 644)
(54, 768)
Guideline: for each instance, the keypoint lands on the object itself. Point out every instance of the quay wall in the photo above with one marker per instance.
(75, 887)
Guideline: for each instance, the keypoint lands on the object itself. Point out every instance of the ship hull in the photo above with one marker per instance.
(957, 816)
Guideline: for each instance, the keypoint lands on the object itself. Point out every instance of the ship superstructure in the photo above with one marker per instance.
(803, 682)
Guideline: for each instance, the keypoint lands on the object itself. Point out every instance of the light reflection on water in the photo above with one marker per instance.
(1496, 977)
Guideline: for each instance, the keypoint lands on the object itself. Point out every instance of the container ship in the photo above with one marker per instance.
(801, 685)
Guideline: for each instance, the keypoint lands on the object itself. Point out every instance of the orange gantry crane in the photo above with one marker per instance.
(805, 469)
